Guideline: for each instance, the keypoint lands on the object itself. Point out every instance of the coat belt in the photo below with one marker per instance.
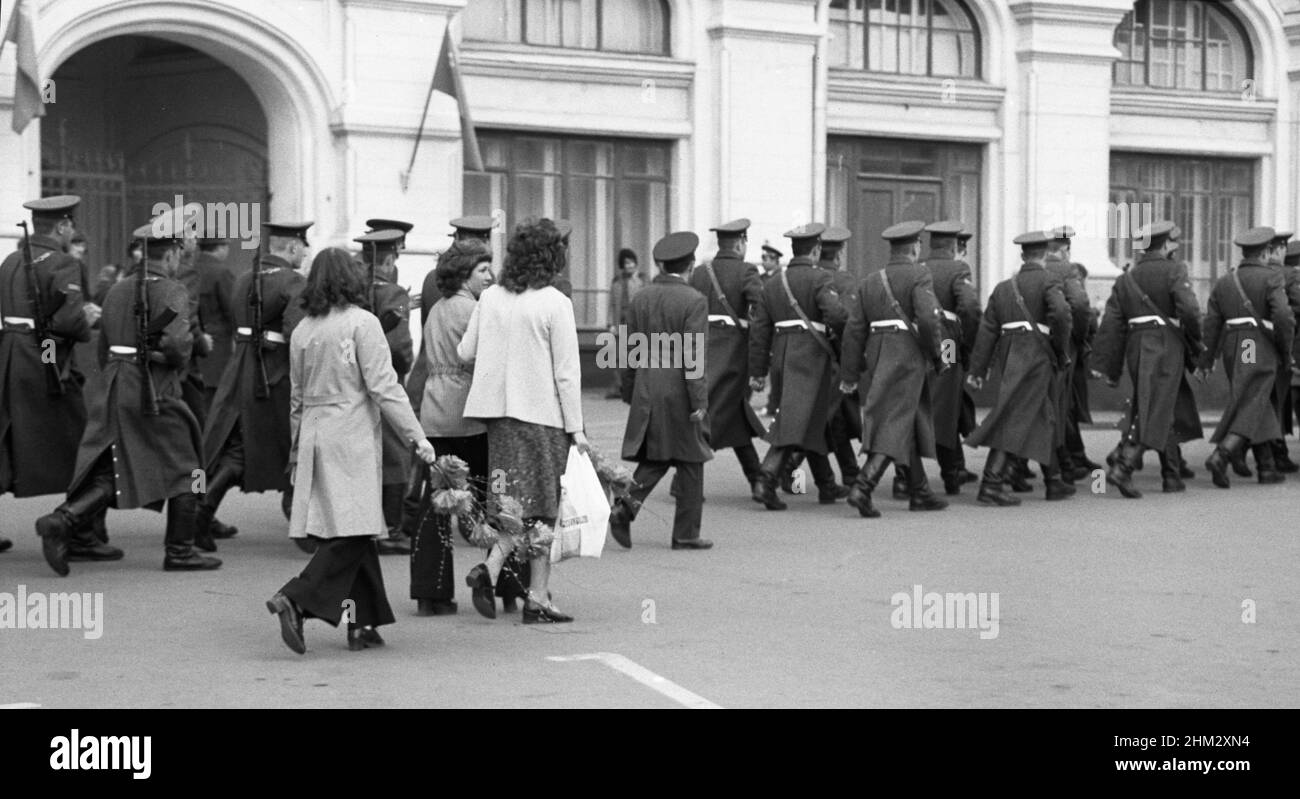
(889, 324)
(726, 320)
(271, 335)
(1022, 325)
(1248, 320)
(1152, 319)
(798, 324)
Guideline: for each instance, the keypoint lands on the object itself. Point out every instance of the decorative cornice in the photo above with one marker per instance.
(1155, 103)
(1106, 13)
(448, 7)
(808, 34)
(857, 86)
(570, 65)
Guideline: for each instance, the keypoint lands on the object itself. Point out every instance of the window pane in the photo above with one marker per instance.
(537, 155)
(633, 26)
(542, 22)
(488, 20)
(591, 248)
(590, 158)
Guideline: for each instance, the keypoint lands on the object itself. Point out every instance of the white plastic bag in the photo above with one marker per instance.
(584, 511)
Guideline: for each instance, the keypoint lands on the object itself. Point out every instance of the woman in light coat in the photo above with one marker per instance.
(527, 387)
(342, 383)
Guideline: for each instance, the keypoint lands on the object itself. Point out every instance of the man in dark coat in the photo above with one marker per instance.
(667, 425)
(216, 307)
(799, 309)
(247, 438)
(142, 445)
(732, 287)
(1249, 323)
(959, 304)
(1072, 387)
(845, 423)
(42, 407)
(895, 337)
(1025, 333)
(1277, 259)
(391, 304)
(1292, 261)
(1150, 321)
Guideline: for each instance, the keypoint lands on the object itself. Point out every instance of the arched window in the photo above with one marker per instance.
(934, 38)
(624, 26)
(1182, 44)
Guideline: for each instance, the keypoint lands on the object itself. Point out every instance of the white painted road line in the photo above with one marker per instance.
(19, 706)
(646, 677)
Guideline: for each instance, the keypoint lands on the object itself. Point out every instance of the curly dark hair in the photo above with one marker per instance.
(535, 254)
(457, 262)
(334, 282)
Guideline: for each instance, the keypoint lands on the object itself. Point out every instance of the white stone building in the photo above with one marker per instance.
(634, 117)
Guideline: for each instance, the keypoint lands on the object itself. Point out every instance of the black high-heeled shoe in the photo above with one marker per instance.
(535, 613)
(482, 591)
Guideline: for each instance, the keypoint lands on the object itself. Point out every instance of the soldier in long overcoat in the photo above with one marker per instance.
(789, 336)
(1249, 324)
(1150, 321)
(1025, 336)
(141, 446)
(732, 287)
(667, 426)
(893, 341)
(246, 439)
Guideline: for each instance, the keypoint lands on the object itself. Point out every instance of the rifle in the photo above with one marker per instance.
(262, 386)
(53, 378)
(148, 397)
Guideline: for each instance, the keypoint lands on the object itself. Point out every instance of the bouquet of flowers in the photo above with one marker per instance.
(613, 475)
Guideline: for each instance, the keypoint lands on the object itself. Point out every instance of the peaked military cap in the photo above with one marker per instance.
(1282, 236)
(812, 230)
(1031, 238)
(965, 235)
(676, 246)
(1063, 233)
(1293, 253)
(473, 224)
(903, 232)
(835, 236)
(1163, 229)
(54, 207)
(767, 246)
(1255, 237)
(734, 227)
(290, 230)
(161, 228)
(390, 237)
(388, 224)
(945, 227)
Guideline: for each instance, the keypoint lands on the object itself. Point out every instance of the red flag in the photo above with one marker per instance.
(27, 81)
(446, 79)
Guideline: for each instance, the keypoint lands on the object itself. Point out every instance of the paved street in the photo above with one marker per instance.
(1103, 603)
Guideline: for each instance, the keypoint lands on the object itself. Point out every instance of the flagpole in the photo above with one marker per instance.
(419, 133)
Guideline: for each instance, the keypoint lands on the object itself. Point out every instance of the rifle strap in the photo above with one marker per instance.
(722, 297)
(898, 309)
(1245, 301)
(1038, 335)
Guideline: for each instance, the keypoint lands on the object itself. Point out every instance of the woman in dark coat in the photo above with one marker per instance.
(342, 380)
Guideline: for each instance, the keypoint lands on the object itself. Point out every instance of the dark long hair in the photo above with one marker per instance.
(334, 282)
(457, 263)
(535, 254)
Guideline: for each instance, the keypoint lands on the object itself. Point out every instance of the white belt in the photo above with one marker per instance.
(726, 320)
(1249, 320)
(119, 350)
(18, 320)
(270, 335)
(1144, 320)
(889, 324)
(818, 326)
(950, 316)
(1022, 325)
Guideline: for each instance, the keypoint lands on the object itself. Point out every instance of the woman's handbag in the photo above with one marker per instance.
(584, 511)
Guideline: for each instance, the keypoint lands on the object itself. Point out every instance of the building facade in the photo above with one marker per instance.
(635, 117)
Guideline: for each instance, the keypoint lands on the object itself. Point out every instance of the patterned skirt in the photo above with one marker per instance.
(525, 461)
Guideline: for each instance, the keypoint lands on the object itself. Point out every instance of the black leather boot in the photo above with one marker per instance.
(1265, 464)
(1120, 473)
(85, 547)
(621, 516)
(868, 478)
(950, 469)
(1282, 458)
(1170, 475)
(829, 491)
(769, 472)
(1057, 488)
(901, 482)
(1065, 468)
(59, 528)
(1239, 465)
(792, 463)
(1016, 475)
(992, 491)
(1184, 471)
(749, 463)
(1231, 447)
(222, 480)
(922, 498)
(179, 540)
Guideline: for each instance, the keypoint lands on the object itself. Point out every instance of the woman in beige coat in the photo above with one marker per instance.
(342, 382)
